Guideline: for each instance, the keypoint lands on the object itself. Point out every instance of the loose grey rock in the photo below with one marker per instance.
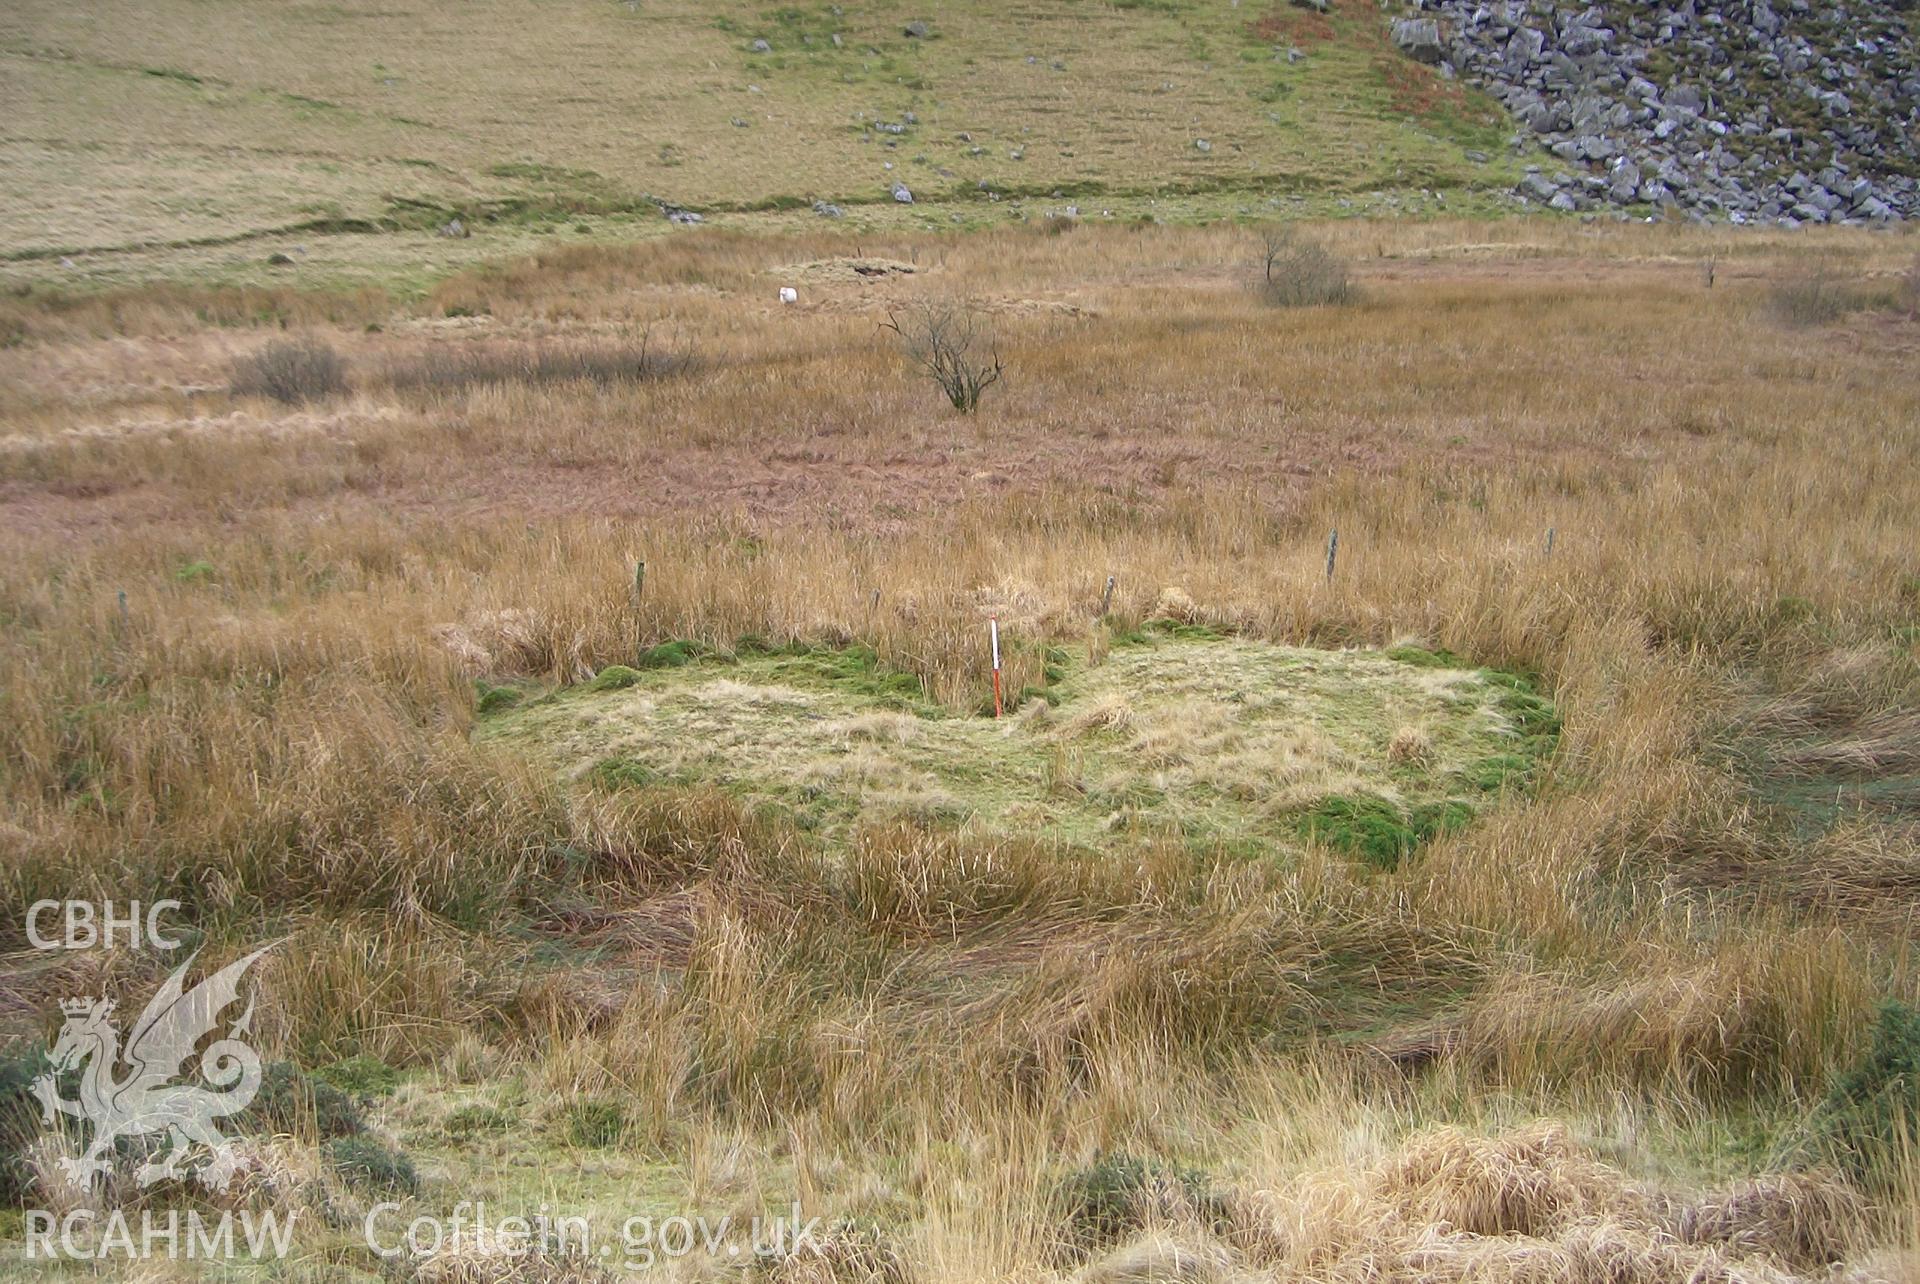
(901, 194)
(453, 229)
(1716, 105)
(918, 30)
(1419, 38)
(761, 46)
(1202, 145)
(827, 209)
(685, 218)
(1538, 187)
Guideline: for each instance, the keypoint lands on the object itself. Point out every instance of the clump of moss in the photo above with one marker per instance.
(594, 1122)
(1116, 1195)
(1422, 658)
(362, 1076)
(673, 655)
(1164, 628)
(1492, 774)
(1364, 825)
(1871, 1115)
(625, 773)
(857, 671)
(1378, 830)
(1431, 820)
(365, 1164)
(290, 1100)
(615, 677)
(489, 697)
(1534, 717)
(476, 1120)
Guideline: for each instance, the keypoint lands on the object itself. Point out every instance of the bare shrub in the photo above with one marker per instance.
(950, 343)
(292, 372)
(602, 363)
(1298, 273)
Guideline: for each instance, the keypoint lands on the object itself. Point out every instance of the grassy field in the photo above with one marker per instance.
(329, 674)
(197, 138)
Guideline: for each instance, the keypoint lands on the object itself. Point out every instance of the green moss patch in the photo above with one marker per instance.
(1173, 735)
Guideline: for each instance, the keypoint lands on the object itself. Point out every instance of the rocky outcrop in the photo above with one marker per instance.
(1796, 111)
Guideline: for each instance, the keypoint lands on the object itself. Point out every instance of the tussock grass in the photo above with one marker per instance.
(444, 368)
(1521, 1205)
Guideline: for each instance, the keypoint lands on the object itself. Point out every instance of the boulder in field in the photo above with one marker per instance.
(1419, 38)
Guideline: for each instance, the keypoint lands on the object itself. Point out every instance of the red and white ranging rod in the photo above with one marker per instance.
(993, 631)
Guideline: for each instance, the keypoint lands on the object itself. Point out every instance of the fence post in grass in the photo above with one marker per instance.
(993, 632)
(1106, 598)
(123, 611)
(1549, 541)
(1333, 549)
(639, 626)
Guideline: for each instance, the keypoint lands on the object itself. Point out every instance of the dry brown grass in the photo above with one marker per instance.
(274, 727)
(1525, 1204)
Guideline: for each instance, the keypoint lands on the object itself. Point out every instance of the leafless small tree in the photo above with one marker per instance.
(293, 372)
(1298, 273)
(950, 343)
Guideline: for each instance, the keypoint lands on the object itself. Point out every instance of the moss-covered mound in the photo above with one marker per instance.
(1204, 739)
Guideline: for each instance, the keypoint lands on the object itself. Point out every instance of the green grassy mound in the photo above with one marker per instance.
(1226, 741)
